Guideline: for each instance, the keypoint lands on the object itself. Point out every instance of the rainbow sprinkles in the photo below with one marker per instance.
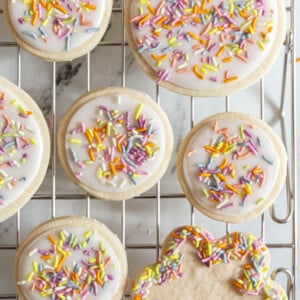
(58, 25)
(19, 147)
(231, 166)
(115, 143)
(69, 264)
(211, 252)
(200, 44)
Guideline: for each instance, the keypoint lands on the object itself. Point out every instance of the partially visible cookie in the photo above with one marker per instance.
(231, 166)
(195, 265)
(24, 148)
(205, 48)
(71, 258)
(58, 30)
(115, 143)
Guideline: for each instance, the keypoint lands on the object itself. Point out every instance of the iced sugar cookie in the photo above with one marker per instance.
(115, 143)
(24, 148)
(58, 30)
(195, 265)
(231, 166)
(205, 48)
(71, 258)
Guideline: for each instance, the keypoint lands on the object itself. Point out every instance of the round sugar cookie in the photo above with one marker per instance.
(195, 265)
(115, 143)
(24, 148)
(205, 48)
(71, 258)
(57, 30)
(231, 166)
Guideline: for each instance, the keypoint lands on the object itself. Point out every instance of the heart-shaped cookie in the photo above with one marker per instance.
(195, 265)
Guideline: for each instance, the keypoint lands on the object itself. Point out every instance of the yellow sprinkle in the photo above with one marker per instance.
(210, 67)
(35, 266)
(30, 276)
(22, 109)
(148, 150)
(261, 45)
(33, 141)
(55, 263)
(138, 111)
(75, 141)
(172, 40)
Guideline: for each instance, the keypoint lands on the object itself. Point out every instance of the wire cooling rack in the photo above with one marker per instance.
(287, 216)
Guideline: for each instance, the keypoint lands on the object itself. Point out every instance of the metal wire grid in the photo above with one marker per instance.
(291, 181)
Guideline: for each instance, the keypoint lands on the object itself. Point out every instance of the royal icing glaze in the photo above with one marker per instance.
(69, 263)
(115, 143)
(204, 44)
(230, 166)
(210, 253)
(59, 25)
(21, 147)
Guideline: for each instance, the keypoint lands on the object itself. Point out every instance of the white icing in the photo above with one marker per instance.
(30, 255)
(89, 114)
(17, 9)
(188, 79)
(207, 136)
(27, 170)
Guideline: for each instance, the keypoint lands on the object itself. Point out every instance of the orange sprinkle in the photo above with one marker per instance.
(167, 27)
(35, 18)
(224, 164)
(210, 149)
(196, 71)
(98, 279)
(43, 3)
(254, 23)
(89, 136)
(144, 19)
(60, 263)
(220, 51)
(46, 257)
(91, 6)
(194, 36)
(91, 154)
(151, 9)
(230, 187)
(156, 33)
(205, 174)
(112, 168)
(59, 7)
(33, 5)
(222, 177)
(159, 58)
(161, 20)
(230, 79)
(52, 239)
(96, 136)
(298, 60)
(247, 267)
(197, 20)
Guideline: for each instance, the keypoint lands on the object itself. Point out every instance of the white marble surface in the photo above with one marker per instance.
(36, 79)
